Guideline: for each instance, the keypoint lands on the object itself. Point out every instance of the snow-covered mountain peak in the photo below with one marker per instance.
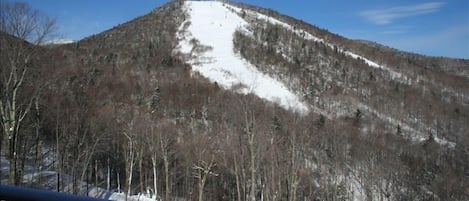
(206, 37)
(59, 41)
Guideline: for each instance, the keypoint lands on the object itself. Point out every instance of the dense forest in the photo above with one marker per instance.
(123, 111)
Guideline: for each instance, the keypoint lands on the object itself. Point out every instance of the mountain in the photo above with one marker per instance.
(312, 65)
(59, 42)
(215, 100)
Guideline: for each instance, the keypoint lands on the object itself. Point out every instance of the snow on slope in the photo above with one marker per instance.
(59, 41)
(309, 36)
(418, 136)
(213, 25)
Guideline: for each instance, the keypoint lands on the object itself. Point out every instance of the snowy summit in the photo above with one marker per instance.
(59, 41)
(206, 37)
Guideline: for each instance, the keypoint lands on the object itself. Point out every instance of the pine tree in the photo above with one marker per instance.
(155, 100)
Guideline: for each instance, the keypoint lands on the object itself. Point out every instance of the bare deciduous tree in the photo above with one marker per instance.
(202, 170)
(20, 21)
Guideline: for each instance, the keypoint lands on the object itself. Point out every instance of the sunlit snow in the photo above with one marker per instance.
(213, 25)
(309, 36)
(395, 75)
(59, 41)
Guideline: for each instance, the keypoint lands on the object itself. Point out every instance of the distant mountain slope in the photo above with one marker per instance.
(210, 100)
(337, 76)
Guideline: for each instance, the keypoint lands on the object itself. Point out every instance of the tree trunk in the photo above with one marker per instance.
(202, 171)
(252, 195)
(129, 180)
(238, 190)
(12, 156)
(96, 173)
(164, 150)
(140, 171)
(108, 186)
(155, 177)
(130, 169)
(200, 188)
(129, 163)
(166, 177)
(252, 154)
(58, 159)
(118, 182)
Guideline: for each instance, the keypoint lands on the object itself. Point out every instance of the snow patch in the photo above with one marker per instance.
(47, 180)
(207, 38)
(417, 135)
(59, 41)
(308, 36)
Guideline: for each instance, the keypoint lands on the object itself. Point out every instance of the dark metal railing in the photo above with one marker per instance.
(29, 194)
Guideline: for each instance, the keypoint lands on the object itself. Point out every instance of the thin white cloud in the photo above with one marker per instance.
(387, 16)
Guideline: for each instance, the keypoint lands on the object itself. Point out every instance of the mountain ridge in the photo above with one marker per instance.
(129, 107)
(395, 75)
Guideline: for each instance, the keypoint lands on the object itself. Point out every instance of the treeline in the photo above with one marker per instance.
(189, 139)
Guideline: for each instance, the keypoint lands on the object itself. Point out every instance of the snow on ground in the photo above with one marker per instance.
(309, 36)
(212, 24)
(395, 75)
(47, 180)
(414, 134)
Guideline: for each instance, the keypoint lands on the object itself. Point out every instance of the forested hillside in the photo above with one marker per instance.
(124, 110)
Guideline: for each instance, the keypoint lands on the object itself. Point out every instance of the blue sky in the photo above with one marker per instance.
(430, 27)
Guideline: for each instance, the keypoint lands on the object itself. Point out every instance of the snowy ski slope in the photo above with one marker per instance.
(212, 24)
